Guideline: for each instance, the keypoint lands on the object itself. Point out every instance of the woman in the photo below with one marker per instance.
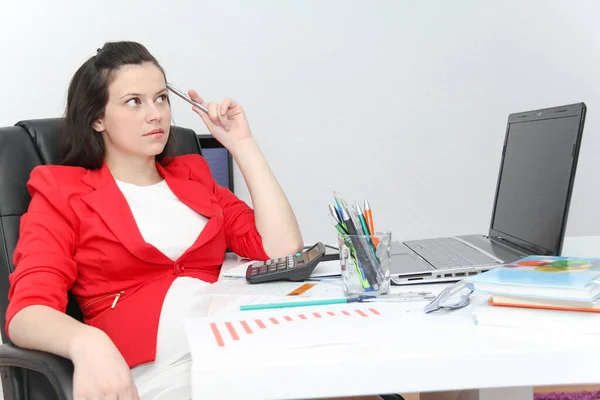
(134, 234)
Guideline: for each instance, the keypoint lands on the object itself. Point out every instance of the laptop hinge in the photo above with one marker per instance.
(509, 244)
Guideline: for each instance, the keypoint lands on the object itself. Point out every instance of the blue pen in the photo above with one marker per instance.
(336, 214)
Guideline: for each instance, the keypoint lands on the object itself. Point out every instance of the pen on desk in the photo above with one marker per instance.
(323, 302)
(398, 299)
(249, 307)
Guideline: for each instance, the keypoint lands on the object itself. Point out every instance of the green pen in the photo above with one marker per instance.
(338, 226)
(363, 223)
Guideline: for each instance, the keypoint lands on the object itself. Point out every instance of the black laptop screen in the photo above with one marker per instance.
(535, 182)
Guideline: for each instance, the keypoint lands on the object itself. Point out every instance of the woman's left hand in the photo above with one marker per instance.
(226, 121)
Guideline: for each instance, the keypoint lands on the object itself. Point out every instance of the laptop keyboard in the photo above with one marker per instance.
(444, 253)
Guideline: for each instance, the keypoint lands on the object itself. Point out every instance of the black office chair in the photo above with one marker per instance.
(28, 374)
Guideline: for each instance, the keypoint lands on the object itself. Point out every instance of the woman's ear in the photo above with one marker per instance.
(98, 125)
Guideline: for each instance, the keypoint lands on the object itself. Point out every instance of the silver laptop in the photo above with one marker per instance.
(530, 209)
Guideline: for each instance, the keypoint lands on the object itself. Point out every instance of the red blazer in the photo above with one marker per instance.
(79, 235)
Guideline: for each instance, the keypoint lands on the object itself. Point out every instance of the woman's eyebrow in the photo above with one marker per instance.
(139, 95)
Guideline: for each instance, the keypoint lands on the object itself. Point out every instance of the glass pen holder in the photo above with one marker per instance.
(365, 261)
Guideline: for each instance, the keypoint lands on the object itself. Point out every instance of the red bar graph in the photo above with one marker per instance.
(236, 330)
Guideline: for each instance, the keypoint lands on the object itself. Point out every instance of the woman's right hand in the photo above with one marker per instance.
(100, 370)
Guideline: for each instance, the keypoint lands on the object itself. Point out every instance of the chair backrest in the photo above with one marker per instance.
(23, 147)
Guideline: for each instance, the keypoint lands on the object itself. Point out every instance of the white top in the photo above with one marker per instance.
(172, 227)
(163, 220)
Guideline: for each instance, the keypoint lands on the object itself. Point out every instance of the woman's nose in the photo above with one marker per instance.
(153, 113)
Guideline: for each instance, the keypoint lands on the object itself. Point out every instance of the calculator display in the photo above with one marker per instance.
(313, 253)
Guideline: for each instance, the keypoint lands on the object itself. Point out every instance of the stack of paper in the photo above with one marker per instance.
(549, 320)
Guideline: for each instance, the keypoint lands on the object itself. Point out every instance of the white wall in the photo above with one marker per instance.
(403, 102)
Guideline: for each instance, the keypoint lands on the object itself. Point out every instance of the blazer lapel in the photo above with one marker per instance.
(196, 196)
(112, 207)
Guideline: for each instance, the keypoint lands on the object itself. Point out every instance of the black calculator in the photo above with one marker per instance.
(297, 267)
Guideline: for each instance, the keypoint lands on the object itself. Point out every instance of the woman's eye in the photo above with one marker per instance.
(133, 102)
(162, 99)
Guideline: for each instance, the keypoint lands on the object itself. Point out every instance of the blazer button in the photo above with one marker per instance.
(178, 267)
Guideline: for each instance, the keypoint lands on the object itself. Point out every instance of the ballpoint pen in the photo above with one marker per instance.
(338, 226)
(369, 216)
(342, 202)
(383, 299)
(185, 97)
(368, 213)
(361, 217)
(405, 296)
(365, 229)
(336, 214)
(337, 202)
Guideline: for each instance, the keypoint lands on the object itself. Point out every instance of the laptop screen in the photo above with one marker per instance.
(219, 160)
(536, 177)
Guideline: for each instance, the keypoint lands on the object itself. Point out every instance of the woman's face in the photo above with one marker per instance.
(137, 116)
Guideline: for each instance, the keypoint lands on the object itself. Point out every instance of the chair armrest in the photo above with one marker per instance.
(58, 370)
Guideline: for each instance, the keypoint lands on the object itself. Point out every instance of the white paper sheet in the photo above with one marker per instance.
(257, 332)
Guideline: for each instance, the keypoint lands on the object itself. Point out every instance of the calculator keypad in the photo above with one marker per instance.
(296, 267)
(275, 265)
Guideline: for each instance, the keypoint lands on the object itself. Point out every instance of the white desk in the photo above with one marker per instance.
(435, 352)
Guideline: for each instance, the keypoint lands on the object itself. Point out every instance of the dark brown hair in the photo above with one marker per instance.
(81, 145)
